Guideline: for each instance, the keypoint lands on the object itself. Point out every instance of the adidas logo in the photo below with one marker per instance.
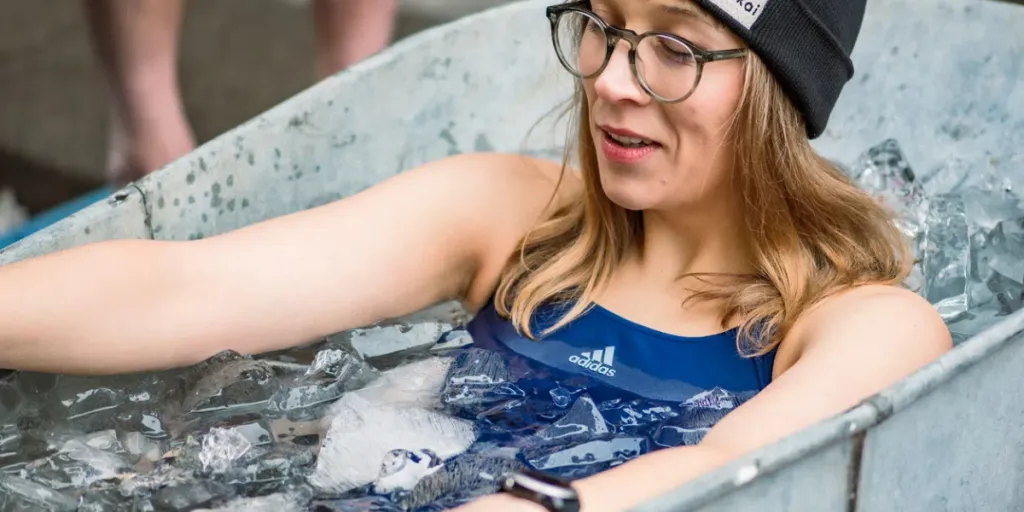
(599, 361)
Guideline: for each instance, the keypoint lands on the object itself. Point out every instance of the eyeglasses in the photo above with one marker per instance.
(665, 65)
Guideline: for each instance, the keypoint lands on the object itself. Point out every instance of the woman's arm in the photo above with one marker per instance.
(852, 346)
(427, 235)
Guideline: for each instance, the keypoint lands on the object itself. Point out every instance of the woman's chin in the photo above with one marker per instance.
(629, 200)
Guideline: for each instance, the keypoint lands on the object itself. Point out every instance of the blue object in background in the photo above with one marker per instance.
(53, 215)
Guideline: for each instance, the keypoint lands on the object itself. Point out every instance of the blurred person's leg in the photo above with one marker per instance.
(136, 42)
(348, 31)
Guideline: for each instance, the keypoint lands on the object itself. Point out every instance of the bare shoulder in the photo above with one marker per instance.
(887, 320)
(510, 174)
(502, 197)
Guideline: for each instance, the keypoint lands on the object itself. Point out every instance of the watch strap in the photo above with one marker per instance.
(554, 494)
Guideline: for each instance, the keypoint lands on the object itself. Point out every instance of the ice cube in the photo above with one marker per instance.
(163, 476)
(668, 436)
(990, 204)
(476, 377)
(285, 502)
(84, 402)
(458, 338)
(20, 494)
(145, 420)
(340, 365)
(382, 340)
(304, 401)
(1007, 292)
(948, 178)
(191, 495)
(946, 256)
(333, 373)
(884, 173)
(105, 440)
(270, 469)
(1004, 250)
(363, 432)
(77, 465)
(997, 265)
(414, 384)
(141, 448)
(104, 500)
(589, 458)
(582, 421)
(229, 383)
(221, 447)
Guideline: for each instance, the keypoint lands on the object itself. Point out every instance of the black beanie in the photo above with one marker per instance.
(806, 44)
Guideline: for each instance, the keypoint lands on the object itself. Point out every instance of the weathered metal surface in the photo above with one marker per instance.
(122, 215)
(955, 439)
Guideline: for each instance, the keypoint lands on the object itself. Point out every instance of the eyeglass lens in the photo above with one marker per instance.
(667, 67)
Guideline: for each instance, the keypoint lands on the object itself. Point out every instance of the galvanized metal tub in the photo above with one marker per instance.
(942, 76)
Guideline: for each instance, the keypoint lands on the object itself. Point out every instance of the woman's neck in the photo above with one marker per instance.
(709, 240)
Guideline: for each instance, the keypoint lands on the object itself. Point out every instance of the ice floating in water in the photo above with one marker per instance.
(221, 448)
(332, 373)
(232, 383)
(415, 384)
(20, 494)
(388, 339)
(291, 502)
(459, 480)
(362, 434)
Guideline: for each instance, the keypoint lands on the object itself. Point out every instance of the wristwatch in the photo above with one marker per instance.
(552, 493)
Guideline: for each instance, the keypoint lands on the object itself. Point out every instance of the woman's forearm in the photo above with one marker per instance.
(648, 476)
(85, 310)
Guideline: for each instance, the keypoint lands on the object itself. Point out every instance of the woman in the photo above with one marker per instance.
(700, 217)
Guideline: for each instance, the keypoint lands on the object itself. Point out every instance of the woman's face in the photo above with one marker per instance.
(687, 160)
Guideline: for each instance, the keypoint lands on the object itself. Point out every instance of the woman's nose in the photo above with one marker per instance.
(617, 81)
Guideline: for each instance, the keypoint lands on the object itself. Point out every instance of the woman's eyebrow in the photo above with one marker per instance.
(683, 9)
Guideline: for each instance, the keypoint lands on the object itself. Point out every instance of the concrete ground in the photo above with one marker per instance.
(238, 58)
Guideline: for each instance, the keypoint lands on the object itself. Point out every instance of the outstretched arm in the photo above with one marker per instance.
(851, 347)
(434, 233)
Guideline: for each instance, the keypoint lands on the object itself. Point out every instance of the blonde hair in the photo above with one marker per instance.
(812, 231)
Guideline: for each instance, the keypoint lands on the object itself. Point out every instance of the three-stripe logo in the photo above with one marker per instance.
(599, 361)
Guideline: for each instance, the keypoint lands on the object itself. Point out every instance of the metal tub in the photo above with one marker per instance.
(944, 77)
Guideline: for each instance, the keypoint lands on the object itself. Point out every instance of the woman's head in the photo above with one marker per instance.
(737, 145)
(676, 85)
